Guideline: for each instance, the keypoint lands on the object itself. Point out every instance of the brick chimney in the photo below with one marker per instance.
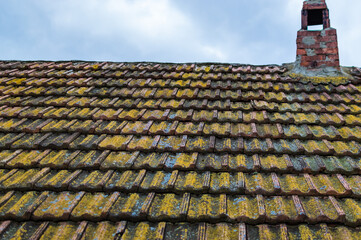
(317, 48)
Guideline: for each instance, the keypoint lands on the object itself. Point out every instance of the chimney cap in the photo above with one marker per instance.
(314, 4)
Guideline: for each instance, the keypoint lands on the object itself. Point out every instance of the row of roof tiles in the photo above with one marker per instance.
(175, 93)
(99, 160)
(80, 206)
(178, 144)
(180, 182)
(15, 73)
(194, 128)
(140, 67)
(169, 231)
(105, 83)
(207, 110)
(323, 118)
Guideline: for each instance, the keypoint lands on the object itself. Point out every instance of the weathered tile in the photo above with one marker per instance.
(65, 230)
(27, 159)
(258, 183)
(245, 208)
(319, 209)
(138, 127)
(189, 128)
(90, 180)
(241, 162)
(181, 231)
(346, 148)
(280, 209)
(146, 143)
(115, 142)
(102, 230)
(163, 128)
(150, 160)
(110, 127)
(27, 141)
(23, 179)
(275, 163)
(167, 207)
(119, 160)
(201, 144)
(58, 159)
(144, 231)
(192, 181)
(65, 203)
(130, 206)
(181, 161)
(170, 143)
(207, 207)
(224, 182)
(94, 206)
(57, 180)
(125, 181)
(21, 205)
(211, 162)
(22, 230)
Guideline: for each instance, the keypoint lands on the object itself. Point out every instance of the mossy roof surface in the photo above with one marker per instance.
(101, 150)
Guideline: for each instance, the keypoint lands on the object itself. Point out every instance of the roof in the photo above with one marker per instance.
(177, 151)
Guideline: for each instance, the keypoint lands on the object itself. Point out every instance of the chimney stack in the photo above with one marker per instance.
(317, 48)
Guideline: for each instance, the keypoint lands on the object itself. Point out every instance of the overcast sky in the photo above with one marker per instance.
(232, 31)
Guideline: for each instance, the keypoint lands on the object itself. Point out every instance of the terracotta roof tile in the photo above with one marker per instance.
(176, 151)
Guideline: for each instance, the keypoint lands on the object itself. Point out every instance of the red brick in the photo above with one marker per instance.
(326, 51)
(312, 6)
(328, 39)
(333, 57)
(305, 64)
(331, 45)
(306, 33)
(315, 58)
(301, 52)
(331, 32)
(333, 64)
(305, 46)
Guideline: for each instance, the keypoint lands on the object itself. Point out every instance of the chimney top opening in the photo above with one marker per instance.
(315, 17)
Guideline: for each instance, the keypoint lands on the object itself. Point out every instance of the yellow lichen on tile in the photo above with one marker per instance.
(315, 146)
(259, 183)
(222, 231)
(238, 161)
(165, 206)
(339, 80)
(143, 231)
(57, 205)
(25, 158)
(203, 206)
(242, 208)
(144, 142)
(116, 141)
(103, 230)
(273, 161)
(184, 160)
(91, 204)
(291, 183)
(117, 159)
(20, 178)
(62, 231)
(352, 119)
(220, 181)
(352, 210)
(345, 147)
(305, 118)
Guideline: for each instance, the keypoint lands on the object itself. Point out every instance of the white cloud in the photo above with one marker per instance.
(258, 32)
(147, 25)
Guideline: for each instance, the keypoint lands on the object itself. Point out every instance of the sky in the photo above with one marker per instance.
(226, 31)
